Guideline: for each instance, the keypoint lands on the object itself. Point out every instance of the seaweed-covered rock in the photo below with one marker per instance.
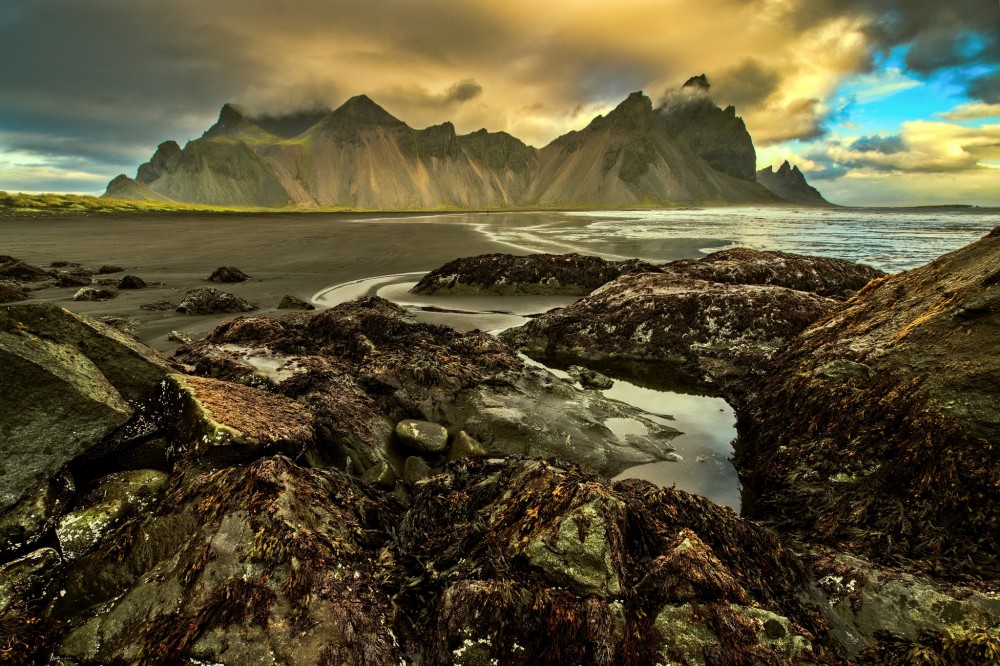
(108, 269)
(132, 368)
(464, 445)
(834, 278)
(569, 274)
(11, 292)
(33, 515)
(209, 300)
(15, 269)
(878, 428)
(228, 274)
(113, 499)
(29, 578)
(264, 563)
(537, 559)
(290, 302)
(704, 331)
(94, 294)
(366, 361)
(132, 282)
(226, 422)
(70, 280)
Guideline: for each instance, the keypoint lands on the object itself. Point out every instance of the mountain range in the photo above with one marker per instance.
(685, 150)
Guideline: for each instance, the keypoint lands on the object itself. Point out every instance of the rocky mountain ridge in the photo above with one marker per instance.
(686, 150)
(789, 183)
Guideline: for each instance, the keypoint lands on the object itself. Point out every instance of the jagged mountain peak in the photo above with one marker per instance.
(362, 110)
(699, 82)
(231, 119)
(788, 182)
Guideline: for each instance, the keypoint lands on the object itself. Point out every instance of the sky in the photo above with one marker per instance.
(879, 102)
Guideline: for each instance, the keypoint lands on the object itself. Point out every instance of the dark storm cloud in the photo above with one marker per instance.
(876, 143)
(986, 88)
(747, 84)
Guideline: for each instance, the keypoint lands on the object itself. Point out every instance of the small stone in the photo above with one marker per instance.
(11, 292)
(414, 469)
(422, 436)
(132, 282)
(104, 270)
(228, 274)
(464, 445)
(290, 302)
(180, 336)
(590, 379)
(158, 306)
(94, 294)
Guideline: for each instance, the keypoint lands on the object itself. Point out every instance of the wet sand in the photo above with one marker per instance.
(284, 254)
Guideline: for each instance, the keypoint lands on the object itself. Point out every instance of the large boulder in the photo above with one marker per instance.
(505, 274)
(703, 331)
(878, 429)
(223, 421)
(132, 368)
(834, 278)
(55, 404)
(363, 366)
(540, 560)
(209, 300)
(228, 274)
(264, 563)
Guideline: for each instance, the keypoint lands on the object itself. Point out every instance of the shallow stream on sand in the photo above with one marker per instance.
(708, 423)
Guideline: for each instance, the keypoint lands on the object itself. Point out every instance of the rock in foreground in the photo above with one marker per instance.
(879, 429)
(704, 331)
(507, 274)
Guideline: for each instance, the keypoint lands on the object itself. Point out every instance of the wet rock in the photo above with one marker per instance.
(702, 331)
(422, 436)
(23, 272)
(132, 282)
(834, 278)
(30, 518)
(70, 280)
(124, 325)
(181, 337)
(113, 499)
(380, 474)
(228, 274)
(585, 544)
(570, 274)
(133, 369)
(877, 428)
(94, 294)
(416, 469)
(877, 604)
(31, 578)
(268, 562)
(108, 269)
(463, 445)
(364, 362)
(11, 292)
(55, 404)
(209, 300)
(158, 306)
(226, 422)
(590, 378)
(290, 302)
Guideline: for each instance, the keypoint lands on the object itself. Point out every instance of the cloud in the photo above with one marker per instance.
(986, 88)
(972, 111)
(876, 143)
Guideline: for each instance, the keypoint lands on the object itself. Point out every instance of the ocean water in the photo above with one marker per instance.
(892, 240)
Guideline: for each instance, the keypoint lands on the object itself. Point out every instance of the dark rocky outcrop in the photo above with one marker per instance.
(363, 366)
(569, 274)
(702, 331)
(834, 278)
(789, 184)
(65, 280)
(107, 269)
(290, 302)
(228, 274)
(12, 292)
(209, 300)
(878, 428)
(131, 282)
(15, 269)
